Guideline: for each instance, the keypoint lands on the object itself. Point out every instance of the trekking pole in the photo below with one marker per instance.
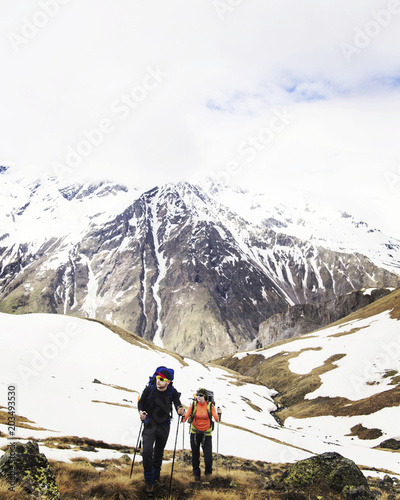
(137, 445)
(173, 459)
(183, 444)
(219, 417)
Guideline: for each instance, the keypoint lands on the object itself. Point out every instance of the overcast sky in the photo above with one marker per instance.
(296, 98)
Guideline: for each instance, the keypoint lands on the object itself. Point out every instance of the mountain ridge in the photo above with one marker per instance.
(304, 318)
(175, 264)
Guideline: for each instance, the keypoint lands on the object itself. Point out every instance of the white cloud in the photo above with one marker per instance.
(226, 78)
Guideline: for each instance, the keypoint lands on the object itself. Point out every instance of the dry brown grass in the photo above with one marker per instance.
(342, 407)
(118, 487)
(113, 404)
(80, 481)
(364, 433)
(20, 421)
(71, 478)
(238, 479)
(118, 387)
(7, 494)
(274, 372)
(64, 442)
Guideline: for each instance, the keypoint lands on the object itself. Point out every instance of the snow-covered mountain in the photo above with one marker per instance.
(195, 269)
(74, 377)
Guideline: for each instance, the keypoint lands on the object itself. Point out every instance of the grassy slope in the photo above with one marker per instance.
(274, 373)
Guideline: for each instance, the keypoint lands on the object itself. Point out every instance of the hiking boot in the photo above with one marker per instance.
(150, 490)
(159, 483)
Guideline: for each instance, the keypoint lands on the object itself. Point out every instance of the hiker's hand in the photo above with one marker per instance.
(219, 413)
(142, 415)
(181, 410)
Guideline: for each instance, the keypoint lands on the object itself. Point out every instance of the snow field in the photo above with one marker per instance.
(371, 351)
(53, 361)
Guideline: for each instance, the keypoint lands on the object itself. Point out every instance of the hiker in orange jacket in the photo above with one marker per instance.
(200, 414)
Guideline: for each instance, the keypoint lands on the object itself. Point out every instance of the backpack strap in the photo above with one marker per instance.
(193, 429)
(151, 389)
(171, 398)
(209, 405)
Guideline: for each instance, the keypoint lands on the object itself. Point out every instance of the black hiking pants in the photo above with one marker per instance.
(154, 440)
(197, 440)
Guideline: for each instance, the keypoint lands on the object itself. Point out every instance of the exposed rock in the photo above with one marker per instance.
(388, 485)
(392, 444)
(359, 492)
(23, 464)
(89, 448)
(305, 318)
(331, 470)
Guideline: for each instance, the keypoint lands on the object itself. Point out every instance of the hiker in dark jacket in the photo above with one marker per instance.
(155, 410)
(200, 414)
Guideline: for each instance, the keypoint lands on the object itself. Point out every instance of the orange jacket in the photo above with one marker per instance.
(201, 420)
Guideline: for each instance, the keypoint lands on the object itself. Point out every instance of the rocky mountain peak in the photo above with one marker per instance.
(196, 269)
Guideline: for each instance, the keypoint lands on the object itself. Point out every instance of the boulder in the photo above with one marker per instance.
(329, 470)
(24, 465)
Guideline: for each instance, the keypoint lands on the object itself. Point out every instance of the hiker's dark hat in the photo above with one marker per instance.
(164, 373)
